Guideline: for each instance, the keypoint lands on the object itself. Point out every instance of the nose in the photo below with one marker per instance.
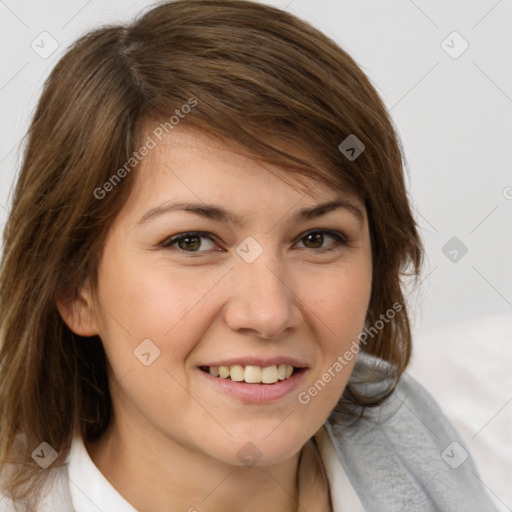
(263, 301)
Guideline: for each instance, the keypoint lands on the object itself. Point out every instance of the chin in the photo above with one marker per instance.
(265, 448)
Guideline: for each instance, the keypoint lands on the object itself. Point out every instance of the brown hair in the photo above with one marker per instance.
(257, 75)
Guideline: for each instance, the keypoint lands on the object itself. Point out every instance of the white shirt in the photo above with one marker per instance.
(92, 492)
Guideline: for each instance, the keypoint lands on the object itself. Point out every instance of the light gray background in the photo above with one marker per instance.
(454, 116)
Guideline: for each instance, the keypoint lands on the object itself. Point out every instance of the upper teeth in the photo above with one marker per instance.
(253, 374)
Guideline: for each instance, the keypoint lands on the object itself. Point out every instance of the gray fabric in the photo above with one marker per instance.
(392, 456)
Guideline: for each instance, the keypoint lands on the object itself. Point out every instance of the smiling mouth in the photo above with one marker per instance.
(252, 374)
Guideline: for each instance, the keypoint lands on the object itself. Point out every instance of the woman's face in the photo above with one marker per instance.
(259, 287)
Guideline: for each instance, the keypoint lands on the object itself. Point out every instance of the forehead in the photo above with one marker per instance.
(191, 172)
(189, 154)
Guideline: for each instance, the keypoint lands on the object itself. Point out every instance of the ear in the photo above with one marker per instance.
(78, 311)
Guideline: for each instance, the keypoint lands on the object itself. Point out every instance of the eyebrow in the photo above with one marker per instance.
(220, 214)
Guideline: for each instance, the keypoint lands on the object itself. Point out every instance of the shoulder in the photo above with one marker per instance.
(406, 455)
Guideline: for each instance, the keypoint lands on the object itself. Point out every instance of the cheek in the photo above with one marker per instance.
(340, 301)
(149, 302)
(146, 300)
(338, 306)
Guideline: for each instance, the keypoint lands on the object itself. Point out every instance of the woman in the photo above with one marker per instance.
(201, 305)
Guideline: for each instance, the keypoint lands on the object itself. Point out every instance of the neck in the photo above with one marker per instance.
(151, 476)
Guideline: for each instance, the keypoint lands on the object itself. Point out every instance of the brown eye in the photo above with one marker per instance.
(315, 239)
(188, 242)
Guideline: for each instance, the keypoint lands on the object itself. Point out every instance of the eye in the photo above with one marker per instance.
(316, 238)
(192, 241)
(188, 242)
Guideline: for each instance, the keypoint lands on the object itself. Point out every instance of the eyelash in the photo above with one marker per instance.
(341, 240)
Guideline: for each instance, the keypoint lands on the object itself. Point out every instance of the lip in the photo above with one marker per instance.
(258, 361)
(256, 393)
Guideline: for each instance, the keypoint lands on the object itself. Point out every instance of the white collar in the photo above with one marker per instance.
(343, 495)
(91, 491)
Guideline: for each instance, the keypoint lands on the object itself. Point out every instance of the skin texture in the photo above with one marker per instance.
(175, 437)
